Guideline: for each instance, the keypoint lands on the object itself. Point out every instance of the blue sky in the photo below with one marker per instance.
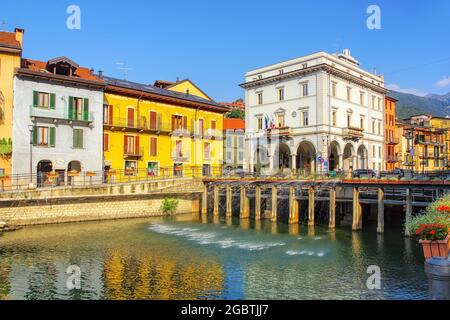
(214, 42)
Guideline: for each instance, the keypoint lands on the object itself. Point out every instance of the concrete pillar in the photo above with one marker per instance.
(332, 223)
(380, 228)
(438, 273)
(311, 206)
(357, 211)
(274, 204)
(229, 204)
(245, 211)
(341, 162)
(293, 206)
(216, 200)
(205, 200)
(257, 203)
(408, 208)
(294, 164)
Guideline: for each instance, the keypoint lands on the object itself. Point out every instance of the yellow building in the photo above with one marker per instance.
(10, 57)
(162, 130)
(444, 123)
(422, 145)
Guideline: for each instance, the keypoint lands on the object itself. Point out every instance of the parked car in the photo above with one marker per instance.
(361, 173)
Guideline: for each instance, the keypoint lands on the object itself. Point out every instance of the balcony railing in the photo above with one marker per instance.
(133, 152)
(180, 156)
(353, 133)
(282, 132)
(393, 141)
(46, 113)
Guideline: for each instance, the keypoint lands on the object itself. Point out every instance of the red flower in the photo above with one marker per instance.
(432, 232)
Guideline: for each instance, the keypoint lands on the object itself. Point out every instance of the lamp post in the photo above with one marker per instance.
(31, 127)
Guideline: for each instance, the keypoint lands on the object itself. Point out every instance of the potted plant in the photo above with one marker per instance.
(432, 228)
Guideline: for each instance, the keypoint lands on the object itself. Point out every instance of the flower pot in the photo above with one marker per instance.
(438, 248)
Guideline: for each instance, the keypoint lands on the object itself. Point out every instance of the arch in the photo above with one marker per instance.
(333, 157)
(43, 168)
(73, 168)
(261, 159)
(282, 157)
(348, 157)
(306, 158)
(362, 157)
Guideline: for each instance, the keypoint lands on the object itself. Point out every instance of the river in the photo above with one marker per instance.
(185, 258)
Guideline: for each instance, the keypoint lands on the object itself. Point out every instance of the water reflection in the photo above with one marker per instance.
(192, 257)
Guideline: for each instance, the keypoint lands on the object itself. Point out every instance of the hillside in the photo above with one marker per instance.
(409, 104)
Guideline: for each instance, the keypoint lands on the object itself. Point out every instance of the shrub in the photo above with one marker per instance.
(432, 232)
(169, 206)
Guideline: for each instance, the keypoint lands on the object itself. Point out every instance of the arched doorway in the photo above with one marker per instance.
(73, 170)
(44, 167)
(334, 156)
(362, 157)
(284, 157)
(306, 162)
(349, 154)
(261, 159)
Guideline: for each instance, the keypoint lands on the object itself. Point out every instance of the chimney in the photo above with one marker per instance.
(92, 71)
(19, 35)
(100, 74)
(187, 92)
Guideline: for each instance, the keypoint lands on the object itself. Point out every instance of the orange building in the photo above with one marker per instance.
(391, 137)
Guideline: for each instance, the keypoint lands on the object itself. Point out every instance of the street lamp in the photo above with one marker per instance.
(31, 127)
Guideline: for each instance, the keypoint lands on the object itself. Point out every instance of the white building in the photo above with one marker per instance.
(328, 114)
(57, 121)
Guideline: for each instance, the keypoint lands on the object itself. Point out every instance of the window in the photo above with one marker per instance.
(349, 120)
(373, 151)
(153, 146)
(280, 94)
(241, 142)
(259, 97)
(44, 100)
(304, 119)
(77, 138)
(379, 127)
(349, 94)
(373, 126)
(106, 142)
(259, 123)
(229, 157)
(361, 123)
(130, 167)
(178, 169)
(78, 109)
(373, 102)
(241, 156)
(379, 104)
(107, 114)
(152, 168)
(130, 118)
(179, 148)
(361, 98)
(179, 122)
(44, 136)
(229, 142)
(207, 151)
(131, 145)
(259, 76)
(334, 118)
(280, 120)
(379, 152)
(153, 120)
(281, 71)
(201, 127)
(333, 89)
(213, 124)
(305, 89)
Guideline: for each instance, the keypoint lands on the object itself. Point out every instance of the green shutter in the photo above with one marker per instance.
(52, 101)
(35, 136)
(86, 110)
(80, 138)
(35, 98)
(77, 138)
(52, 137)
(71, 109)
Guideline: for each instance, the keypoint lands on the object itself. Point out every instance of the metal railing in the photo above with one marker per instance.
(47, 113)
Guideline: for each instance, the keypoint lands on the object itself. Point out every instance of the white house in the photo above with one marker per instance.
(315, 113)
(57, 121)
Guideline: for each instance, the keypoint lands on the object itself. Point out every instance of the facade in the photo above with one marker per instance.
(10, 55)
(234, 146)
(316, 113)
(161, 130)
(57, 126)
(444, 123)
(391, 137)
(422, 146)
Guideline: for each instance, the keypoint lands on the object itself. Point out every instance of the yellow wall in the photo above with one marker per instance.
(185, 85)
(8, 62)
(166, 142)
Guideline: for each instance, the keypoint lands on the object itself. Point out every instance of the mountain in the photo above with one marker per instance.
(409, 104)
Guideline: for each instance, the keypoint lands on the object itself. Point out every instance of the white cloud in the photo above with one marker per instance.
(396, 87)
(444, 82)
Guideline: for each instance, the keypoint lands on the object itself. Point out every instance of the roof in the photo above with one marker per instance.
(234, 105)
(41, 66)
(145, 88)
(230, 124)
(8, 39)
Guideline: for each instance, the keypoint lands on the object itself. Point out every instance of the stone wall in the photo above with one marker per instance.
(77, 209)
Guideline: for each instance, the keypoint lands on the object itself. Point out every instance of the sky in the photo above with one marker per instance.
(214, 42)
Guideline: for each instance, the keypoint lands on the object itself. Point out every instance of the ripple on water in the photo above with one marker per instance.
(308, 253)
(212, 238)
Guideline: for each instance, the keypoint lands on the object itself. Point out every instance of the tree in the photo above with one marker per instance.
(236, 114)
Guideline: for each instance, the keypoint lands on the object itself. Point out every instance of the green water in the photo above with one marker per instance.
(183, 258)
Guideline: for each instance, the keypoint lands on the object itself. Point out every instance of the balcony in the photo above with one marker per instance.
(392, 159)
(180, 156)
(428, 142)
(52, 114)
(393, 141)
(282, 132)
(130, 152)
(143, 125)
(353, 133)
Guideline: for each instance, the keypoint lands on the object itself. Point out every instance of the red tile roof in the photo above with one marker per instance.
(234, 105)
(232, 124)
(8, 39)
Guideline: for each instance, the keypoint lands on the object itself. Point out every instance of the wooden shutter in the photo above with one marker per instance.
(35, 135)
(35, 99)
(52, 101)
(110, 113)
(105, 142)
(173, 122)
(86, 110)
(131, 117)
(75, 138)
(153, 146)
(136, 145)
(213, 124)
(71, 108)
(125, 143)
(80, 138)
(185, 122)
(52, 137)
(152, 120)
